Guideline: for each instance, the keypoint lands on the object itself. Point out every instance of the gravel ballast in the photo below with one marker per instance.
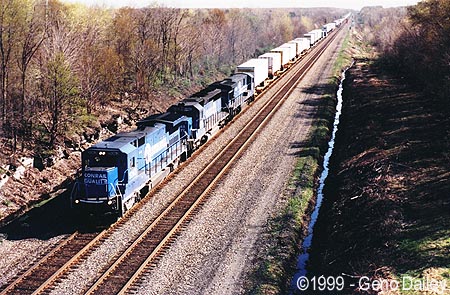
(16, 256)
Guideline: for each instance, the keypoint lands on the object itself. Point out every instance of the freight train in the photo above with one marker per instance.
(116, 172)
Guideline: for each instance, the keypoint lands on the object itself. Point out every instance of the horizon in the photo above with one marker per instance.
(347, 4)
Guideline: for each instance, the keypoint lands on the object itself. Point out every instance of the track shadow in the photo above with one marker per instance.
(318, 89)
(320, 110)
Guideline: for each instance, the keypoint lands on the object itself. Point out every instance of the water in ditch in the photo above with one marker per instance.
(302, 260)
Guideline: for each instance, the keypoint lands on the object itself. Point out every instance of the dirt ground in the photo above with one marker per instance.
(387, 201)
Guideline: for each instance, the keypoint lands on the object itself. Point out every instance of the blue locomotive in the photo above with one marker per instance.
(116, 170)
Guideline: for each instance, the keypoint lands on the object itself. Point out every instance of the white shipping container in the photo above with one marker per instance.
(270, 64)
(298, 46)
(331, 26)
(318, 34)
(284, 54)
(338, 22)
(328, 28)
(305, 44)
(311, 37)
(257, 67)
(292, 51)
(274, 61)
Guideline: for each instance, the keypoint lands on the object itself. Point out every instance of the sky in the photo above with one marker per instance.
(353, 4)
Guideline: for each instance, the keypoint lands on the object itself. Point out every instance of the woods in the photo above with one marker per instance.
(415, 43)
(62, 65)
(423, 49)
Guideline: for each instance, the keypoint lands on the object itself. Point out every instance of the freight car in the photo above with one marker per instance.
(305, 44)
(284, 52)
(292, 50)
(256, 68)
(117, 170)
(311, 37)
(274, 63)
(328, 28)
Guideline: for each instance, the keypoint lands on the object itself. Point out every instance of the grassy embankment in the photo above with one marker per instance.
(286, 231)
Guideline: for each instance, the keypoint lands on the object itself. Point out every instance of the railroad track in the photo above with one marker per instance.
(145, 251)
(33, 278)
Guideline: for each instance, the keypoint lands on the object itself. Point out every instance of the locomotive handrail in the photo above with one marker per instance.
(169, 147)
(74, 189)
(116, 184)
(123, 178)
(155, 159)
(113, 186)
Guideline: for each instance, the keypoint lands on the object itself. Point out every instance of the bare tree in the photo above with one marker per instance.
(59, 85)
(32, 32)
(8, 35)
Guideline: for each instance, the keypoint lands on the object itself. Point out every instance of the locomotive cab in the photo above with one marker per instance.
(194, 110)
(178, 128)
(236, 90)
(98, 187)
(115, 170)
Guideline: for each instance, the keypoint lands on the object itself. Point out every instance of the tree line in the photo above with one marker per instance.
(414, 41)
(61, 65)
(422, 51)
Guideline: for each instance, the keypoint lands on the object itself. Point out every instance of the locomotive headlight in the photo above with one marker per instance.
(77, 201)
(109, 202)
(101, 153)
